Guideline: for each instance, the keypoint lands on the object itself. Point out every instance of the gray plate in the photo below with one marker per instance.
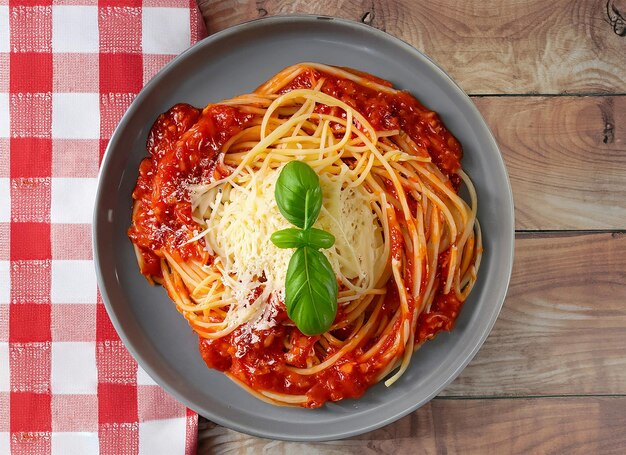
(236, 61)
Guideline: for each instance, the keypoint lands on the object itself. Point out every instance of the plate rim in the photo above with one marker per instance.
(97, 225)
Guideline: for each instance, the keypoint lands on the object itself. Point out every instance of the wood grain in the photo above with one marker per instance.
(550, 425)
(562, 330)
(566, 158)
(488, 47)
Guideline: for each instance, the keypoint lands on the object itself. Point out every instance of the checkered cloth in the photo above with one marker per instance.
(68, 71)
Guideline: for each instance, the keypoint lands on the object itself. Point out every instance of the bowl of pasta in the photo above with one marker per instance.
(303, 228)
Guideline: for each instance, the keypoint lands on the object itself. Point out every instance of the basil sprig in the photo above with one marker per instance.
(310, 285)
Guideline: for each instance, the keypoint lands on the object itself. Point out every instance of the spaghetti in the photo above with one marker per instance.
(407, 249)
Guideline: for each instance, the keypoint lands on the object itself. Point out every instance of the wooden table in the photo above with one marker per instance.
(550, 79)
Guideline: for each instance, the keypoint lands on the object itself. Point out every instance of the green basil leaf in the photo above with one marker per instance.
(298, 194)
(287, 238)
(317, 238)
(295, 238)
(311, 291)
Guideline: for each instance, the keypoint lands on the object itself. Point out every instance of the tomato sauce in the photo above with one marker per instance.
(444, 309)
(266, 365)
(183, 145)
(387, 111)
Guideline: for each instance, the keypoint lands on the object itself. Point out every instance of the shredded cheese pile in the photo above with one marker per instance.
(239, 217)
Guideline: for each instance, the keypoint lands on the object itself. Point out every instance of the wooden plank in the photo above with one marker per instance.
(488, 47)
(512, 426)
(562, 330)
(566, 158)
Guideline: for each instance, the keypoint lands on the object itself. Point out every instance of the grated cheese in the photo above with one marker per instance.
(239, 217)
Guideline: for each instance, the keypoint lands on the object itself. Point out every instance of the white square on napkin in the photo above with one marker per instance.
(4, 32)
(76, 116)
(70, 443)
(73, 282)
(73, 200)
(165, 30)
(74, 367)
(75, 29)
(5, 442)
(156, 436)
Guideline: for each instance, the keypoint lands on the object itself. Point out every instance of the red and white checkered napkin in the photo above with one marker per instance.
(68, 71)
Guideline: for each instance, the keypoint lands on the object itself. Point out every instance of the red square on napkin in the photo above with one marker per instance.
(31, 157)
(29, 323)
(118, 403)
(121, 73)
(23, 246)
(35, 415)
(31, 72)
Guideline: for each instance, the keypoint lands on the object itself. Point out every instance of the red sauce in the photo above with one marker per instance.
(441, 317)
(263, 365)
(393, 111)
(183, 145)
(444, 309)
